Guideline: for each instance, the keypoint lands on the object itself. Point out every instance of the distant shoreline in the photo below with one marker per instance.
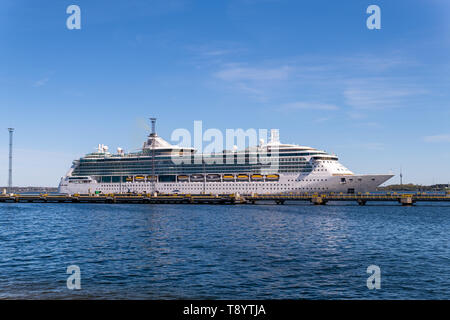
(415, 187)
(31, 189)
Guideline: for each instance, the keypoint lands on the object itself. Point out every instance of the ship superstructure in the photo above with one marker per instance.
(161, 167)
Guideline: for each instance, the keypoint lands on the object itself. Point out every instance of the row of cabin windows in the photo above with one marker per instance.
(213, 184)
(224, 188)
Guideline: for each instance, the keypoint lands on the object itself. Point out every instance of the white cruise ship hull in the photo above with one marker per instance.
(287, 183)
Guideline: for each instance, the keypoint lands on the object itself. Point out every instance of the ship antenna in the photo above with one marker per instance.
(11, 131)
(153, 135)
(153, 120)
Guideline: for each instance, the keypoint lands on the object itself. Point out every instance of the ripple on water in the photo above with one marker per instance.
(224, 252)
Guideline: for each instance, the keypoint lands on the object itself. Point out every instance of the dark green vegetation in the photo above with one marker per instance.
(414, 187)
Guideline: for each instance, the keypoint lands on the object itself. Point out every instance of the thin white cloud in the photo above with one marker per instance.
(214, 50)
(437, 138)
(356, 115)
(308, 105)
(251, 90)
(375, 146)
(41, 82)
(376, 64)
(260, 83)
(370, 124)
(360, 82)
(371, 146)
(217, 52)
(379, 94)
(322, 119)
(253, 74)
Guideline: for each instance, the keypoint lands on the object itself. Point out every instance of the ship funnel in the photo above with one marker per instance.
(153, 121)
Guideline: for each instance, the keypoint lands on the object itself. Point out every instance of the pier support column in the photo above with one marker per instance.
(407, 201)
(318, 201)
(361, 202)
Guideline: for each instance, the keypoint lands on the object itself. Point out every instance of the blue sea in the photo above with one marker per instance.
(266, 251)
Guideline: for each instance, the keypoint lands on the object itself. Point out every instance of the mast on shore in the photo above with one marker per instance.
(11, 131)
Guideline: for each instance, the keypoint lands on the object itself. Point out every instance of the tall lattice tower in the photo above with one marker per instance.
(11, 131)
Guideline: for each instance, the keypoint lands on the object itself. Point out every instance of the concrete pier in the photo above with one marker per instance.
(280, 199)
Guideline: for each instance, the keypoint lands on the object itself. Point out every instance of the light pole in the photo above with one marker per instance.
(11, 131)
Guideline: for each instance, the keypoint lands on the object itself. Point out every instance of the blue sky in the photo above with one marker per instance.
(377, 98)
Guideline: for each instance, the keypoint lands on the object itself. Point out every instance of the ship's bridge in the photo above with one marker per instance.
(292, 149)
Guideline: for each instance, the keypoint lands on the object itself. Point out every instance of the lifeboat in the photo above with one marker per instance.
(272, 177)
(213, 177)
(183, 178)
(257, 177)
(129, 179)
(242, 177)
(197, 178)
(228, 177)
(151, 178)
(139, 178)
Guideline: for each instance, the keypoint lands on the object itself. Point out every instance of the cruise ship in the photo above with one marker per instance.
(163, 168)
